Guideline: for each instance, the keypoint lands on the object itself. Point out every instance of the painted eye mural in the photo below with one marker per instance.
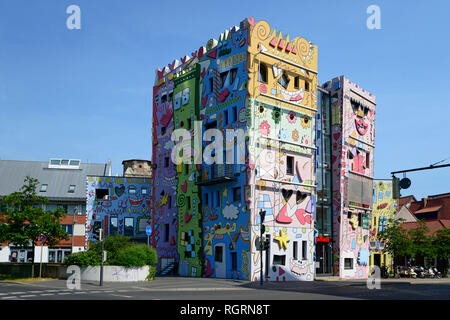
(185, 98)
(291, 117)
(177, 101)
(305, 122)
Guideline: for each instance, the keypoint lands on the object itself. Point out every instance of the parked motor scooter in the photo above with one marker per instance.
(429, 273)
(420, 272)
(402, 272)
(437, 273)
(411, 273)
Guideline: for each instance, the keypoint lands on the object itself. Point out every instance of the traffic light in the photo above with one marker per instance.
(395, 188)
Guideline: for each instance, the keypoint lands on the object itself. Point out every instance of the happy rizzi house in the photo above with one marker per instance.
(205, 215)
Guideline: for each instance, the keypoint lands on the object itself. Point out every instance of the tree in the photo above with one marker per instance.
(441, 246)
(421, 243)
(397, 240)
(25, 220)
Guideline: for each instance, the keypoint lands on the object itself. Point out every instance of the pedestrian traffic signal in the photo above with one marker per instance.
(395, 188)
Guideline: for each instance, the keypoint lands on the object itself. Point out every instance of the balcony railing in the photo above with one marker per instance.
(220, 173)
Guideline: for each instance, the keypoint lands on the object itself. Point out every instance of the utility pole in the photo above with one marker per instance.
(101, 261)
(262, 215)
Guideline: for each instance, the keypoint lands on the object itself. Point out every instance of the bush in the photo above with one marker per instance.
(136, 256)
(151, 273)
(83, 259)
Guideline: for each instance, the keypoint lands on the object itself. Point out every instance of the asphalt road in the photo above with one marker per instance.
(177, 288)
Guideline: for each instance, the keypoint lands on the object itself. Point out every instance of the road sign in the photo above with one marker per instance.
(148, 230)
(42, 238)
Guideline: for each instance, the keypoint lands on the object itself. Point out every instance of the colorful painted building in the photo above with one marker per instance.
(384, 208)
(353, 143)
(118, 205)
(256, 80)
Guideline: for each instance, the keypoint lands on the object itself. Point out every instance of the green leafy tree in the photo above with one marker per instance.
(24, 220)
(398, 242)
(441, 246)
(421, 242)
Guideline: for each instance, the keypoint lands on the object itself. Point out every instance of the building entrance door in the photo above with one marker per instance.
(377, 260)
(220, 260)
(323, 258)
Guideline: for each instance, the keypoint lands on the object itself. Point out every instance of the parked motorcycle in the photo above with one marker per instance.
(437, 273)
(429, 273)
(420, 272)
(411, 273)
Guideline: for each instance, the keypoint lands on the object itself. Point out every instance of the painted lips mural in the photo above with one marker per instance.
(361, 126)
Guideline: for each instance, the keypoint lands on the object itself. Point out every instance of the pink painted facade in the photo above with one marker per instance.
(353, 141)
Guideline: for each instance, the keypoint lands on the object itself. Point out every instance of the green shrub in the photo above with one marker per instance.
(83, 259)
(136, 256)
(151, 273)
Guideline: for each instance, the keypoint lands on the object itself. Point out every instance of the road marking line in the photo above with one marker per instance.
(18, 292)
(4, 294)
(47, 294)
(63, 293)
(79, 292)
(120, 295)
(36, 291)
(28, 295)
(11, 297)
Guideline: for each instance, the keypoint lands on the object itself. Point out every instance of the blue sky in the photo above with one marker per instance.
(87, 93)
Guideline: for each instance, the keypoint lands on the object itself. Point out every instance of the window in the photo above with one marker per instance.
(211, 125)
(218, 254)
(348, 263)
(295, 249)
(306, 85)
(144, 190)
(55, 162)
(225, 117)
(237, 194)
(166, 162)
(206, 199)
(163, 130)
(65, 162)
(166, 232)
(262, 74)
(278, 259)
(296, 82)
(132, 190)
(284, 80)
(44, 187)
(101, 194)
(349, 215)
(74, 162)
(188, 202)
(71, 188)
(223, 78)
(169, 202)
(113, 227)
(290, 165)
(359, 219)
(63, 206)
(129, 227)
(233, 261)
(189, 120)
(68, 228)
(163, 98)
(304, 250)
(233, 73)
(234, 114)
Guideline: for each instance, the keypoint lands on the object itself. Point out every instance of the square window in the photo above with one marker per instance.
(262, 74)
(101, 194)
(132, 190)
(65, 162)
(44, 187)
(279, 259)
(284, 80)
(144, 190)
(71, 188)
(348, 263)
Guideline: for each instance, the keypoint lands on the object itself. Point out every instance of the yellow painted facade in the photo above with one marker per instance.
(384, 207)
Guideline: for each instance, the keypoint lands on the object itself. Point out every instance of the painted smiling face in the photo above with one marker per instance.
(361, 126)
(361, 113)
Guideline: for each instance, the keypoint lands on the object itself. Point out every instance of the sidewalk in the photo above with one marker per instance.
(390, 280)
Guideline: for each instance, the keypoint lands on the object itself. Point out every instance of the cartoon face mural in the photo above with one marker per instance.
(119, 205)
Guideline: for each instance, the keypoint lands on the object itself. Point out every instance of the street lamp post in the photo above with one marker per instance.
(262, 215)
